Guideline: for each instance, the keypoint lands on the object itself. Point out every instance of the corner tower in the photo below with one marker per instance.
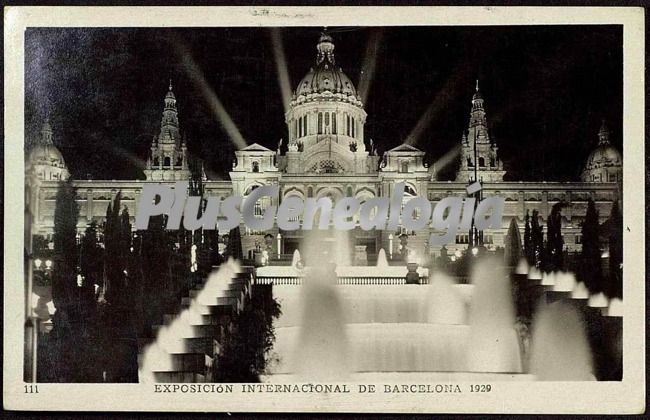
(605, 163)
(45, 161)
(478, 149)
(168, 158)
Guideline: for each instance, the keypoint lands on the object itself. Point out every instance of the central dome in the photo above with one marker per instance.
(326, 76)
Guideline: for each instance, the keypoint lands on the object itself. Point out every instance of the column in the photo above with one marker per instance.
(89, 205)
(544, 209)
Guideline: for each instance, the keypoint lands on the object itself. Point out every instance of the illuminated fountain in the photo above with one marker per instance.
(382, 261)
(494, 343)
(321, 349)
(560, 350)
(295, 259)
(406, 331)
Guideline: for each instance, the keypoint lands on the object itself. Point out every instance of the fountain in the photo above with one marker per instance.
(295, 259)
(381, 258)
(445, 304)
(493, 345)
(406, 332)
(321, 346)
(560, 350)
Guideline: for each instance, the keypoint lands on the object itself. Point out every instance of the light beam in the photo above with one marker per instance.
(281, 67)
(369, 62)
(441, 100)
(197, 76)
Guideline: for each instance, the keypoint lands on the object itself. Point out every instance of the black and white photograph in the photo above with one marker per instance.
(322, 210)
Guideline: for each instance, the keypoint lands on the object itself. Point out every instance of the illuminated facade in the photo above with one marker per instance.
(327, 155)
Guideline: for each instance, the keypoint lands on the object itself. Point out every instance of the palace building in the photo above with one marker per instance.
(327, 155)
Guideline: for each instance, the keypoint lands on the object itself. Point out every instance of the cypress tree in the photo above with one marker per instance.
(615, 285)
(64, 272)
(590, 257)
(513, 251)
(528, 242)
(554, 241)
(234, 249)
(65, 333)
(91, 259)
(119, 332)
(537, 240)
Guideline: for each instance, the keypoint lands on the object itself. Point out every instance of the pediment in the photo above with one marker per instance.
(405, 148)
(256, 147)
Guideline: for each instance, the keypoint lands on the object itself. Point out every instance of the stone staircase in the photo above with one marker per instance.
(187, 345)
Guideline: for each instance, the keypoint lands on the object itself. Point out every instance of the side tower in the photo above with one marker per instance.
(605, 163)
(168, 159)
(479, 156)
(45, 162)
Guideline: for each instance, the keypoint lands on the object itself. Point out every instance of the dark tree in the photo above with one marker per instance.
(246, 350)
(537, 240)
(590, 272)
(615, 224)
(513, 251)
(64, 273)
(91, 258)
(120, 346)
(234, 249)
(528, 242)
(114, 261)
(67, 335)
(554, 241)
(154, 253)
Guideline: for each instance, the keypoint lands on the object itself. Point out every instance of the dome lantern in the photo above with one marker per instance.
(325, 48)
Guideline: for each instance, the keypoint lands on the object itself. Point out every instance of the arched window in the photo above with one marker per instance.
(409, 191)
(353, 127)
(333, 122)
(304, 126)
(481, 161)
(256, 166)
(320, 123)
(251, 189)
(310, 192)
(349, 191)
(167, 161)
(404, 167)
(347, 124)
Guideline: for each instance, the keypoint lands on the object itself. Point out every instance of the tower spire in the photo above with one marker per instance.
(168, 159)
(169, 127)
(603, 134)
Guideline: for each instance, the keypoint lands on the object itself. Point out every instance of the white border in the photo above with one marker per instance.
(627, 396)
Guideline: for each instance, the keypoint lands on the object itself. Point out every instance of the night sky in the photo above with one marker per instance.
(546, 90)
